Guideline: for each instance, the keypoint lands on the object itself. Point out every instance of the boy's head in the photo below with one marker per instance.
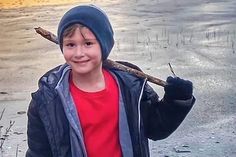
(93, 18)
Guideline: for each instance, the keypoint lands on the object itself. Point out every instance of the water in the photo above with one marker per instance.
(198, 38)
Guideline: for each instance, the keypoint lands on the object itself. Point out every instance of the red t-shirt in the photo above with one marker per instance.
(99, 117)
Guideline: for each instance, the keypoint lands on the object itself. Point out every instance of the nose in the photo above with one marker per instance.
(79, 51)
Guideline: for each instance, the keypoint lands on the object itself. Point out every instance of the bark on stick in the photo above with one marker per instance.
(50, 36)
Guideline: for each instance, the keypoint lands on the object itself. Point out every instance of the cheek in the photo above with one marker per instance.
(99, 52)
(66, 56)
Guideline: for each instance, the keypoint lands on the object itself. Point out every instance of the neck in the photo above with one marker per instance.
(90, 82)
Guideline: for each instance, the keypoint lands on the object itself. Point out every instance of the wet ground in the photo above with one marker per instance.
(198, 38)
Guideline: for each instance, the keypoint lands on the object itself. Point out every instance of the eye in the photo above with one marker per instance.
(88, 43)
(70, 45)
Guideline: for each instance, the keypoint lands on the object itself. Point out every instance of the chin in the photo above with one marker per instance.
(81, 71)
(85, 69)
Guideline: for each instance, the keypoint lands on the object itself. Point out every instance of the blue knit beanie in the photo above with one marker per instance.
(94, 19)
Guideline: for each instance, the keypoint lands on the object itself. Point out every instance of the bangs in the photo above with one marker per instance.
(69, 31)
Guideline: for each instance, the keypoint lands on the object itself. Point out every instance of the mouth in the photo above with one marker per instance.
(81, 61)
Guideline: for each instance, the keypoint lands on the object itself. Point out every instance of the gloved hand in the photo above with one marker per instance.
(178, 89)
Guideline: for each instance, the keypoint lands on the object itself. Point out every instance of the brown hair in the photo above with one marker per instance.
(69, 31)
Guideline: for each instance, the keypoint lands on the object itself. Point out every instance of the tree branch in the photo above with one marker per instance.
(51, 37)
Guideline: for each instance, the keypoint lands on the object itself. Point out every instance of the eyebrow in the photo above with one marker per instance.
(71, 40)
(68, 40)
(90, 39)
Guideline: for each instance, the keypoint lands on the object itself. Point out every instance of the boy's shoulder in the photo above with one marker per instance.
(125, 63)
(124, 76)
(51, 77)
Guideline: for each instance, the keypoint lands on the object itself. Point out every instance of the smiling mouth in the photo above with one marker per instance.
(81, 62)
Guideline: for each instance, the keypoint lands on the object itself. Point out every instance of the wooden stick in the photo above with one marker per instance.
(46, 34)
(50, 36)
(172, 70)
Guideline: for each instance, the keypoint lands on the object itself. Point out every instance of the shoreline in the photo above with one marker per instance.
(17, 4)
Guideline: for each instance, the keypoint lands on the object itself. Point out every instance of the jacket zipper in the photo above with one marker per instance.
(139, 116)
(75, 127)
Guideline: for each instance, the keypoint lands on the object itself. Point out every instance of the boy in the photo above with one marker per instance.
(83, 109)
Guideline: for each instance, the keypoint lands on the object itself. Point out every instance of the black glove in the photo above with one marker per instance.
(178, 89)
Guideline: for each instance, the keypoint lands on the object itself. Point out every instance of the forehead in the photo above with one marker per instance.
(78, 29)
(86, 32)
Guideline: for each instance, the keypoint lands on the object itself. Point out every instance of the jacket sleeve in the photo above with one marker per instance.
(38, 145)
(161, 118)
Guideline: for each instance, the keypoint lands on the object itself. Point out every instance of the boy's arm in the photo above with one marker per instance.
(161, 118)
(38, 145)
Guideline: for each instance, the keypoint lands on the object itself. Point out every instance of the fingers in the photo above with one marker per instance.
(178, 88)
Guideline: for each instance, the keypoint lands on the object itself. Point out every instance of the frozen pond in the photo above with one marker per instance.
(197, 37)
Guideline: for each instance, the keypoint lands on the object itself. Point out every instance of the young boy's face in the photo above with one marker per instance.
(82, 51)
